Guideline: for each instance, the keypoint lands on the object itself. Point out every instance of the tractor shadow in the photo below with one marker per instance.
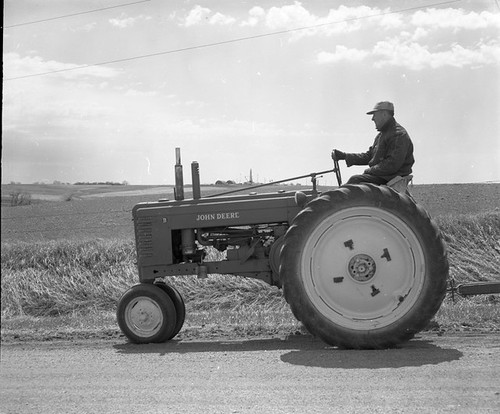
(416, 353)
(305, 350)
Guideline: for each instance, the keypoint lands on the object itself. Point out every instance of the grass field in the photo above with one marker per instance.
(66, 263)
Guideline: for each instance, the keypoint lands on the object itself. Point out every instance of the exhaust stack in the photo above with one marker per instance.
(188, 244)
(179, 179)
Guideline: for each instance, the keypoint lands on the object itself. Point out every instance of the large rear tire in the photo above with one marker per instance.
(363, 267)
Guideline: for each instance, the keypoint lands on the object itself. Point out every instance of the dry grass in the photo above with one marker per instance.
(473, 242)
(478, 313)
(46, 279)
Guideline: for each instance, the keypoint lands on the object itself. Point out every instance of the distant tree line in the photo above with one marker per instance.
(56, 182)
(220, 182)
(231, 182)
(101, 183)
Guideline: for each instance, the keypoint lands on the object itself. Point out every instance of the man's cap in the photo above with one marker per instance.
(382, 106)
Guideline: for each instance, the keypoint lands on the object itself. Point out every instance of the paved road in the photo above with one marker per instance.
(431, 374)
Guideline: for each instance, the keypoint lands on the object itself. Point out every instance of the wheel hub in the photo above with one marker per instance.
(362, 268)
(145, 315)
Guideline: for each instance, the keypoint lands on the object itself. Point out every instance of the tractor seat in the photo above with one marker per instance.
(400, 184)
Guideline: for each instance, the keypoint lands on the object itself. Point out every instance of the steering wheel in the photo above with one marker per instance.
(337, 171)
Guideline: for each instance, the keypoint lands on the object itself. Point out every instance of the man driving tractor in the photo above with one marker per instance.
(390, 155)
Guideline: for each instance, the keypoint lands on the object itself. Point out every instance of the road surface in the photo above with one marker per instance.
(299, 374)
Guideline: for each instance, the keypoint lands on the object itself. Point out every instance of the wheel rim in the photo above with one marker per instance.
(363, 268)
(143, 317)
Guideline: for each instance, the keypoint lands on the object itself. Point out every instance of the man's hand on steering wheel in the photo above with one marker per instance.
(338, 155)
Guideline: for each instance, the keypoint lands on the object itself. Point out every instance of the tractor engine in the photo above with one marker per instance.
(175, 237)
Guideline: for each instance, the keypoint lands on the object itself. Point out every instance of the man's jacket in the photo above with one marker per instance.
(390, 155)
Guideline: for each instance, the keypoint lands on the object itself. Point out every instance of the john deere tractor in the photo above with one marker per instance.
(361, 266)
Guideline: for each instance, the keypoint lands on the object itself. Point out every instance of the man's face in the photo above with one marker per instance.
(380, 118)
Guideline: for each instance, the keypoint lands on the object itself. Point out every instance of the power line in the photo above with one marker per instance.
(224, 42)
(75, 14)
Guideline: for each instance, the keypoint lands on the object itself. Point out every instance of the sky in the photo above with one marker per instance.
(105, 90)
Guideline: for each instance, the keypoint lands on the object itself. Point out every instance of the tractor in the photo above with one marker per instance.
(361, 266)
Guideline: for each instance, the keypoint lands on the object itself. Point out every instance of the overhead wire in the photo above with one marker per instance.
(75, 14)
(224, 42)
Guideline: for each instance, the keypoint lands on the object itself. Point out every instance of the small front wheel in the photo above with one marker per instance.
(180, 307)
(146, 314)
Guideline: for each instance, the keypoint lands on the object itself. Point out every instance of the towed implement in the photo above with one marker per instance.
(361, 266)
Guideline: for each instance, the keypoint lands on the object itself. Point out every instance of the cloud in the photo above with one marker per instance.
(256, 15)
(342, 53)
(60, 105)
(345, 19)
(337, 20)
(16, 66)
(351, 19)
(48, 109)
(348, 19)
(342, 20)
(123, 22)
(219, 18)
(196, 16)
(455, 19)
(415, 56)
(418, 34)
(199, 15)
(412, 42)
(287, 17)
(295, 16)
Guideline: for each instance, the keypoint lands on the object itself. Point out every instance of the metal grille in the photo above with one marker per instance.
(144, 234)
